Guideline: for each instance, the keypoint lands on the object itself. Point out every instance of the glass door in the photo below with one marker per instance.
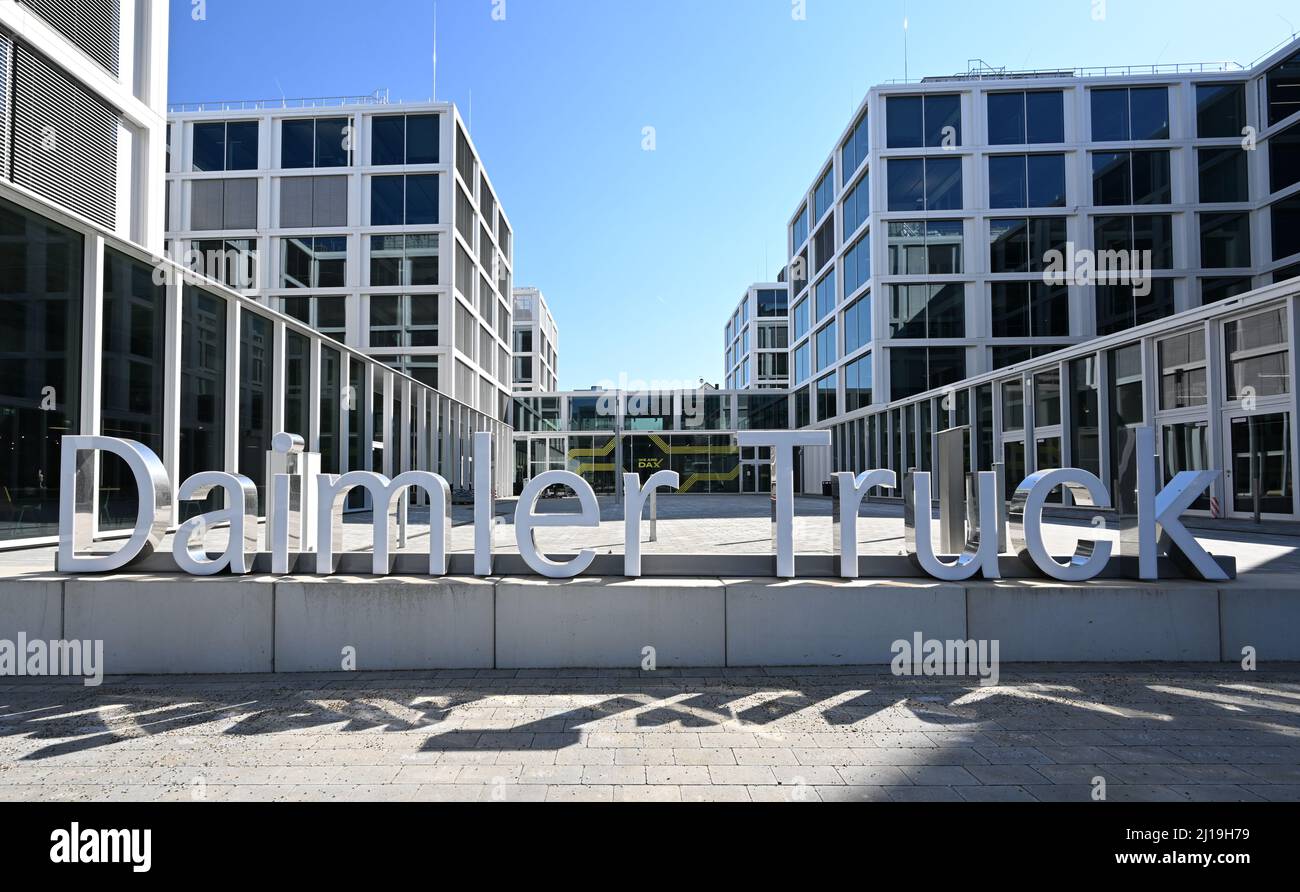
(1259, 473)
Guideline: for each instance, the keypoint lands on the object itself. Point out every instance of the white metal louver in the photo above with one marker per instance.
(64, 139)
(93, 25)
(6, 75)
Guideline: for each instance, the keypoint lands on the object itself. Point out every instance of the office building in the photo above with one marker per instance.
(535, 346)
(373, 222)
(756, 339)
(105, 336)
(922, 300)
(83, 103)
(919, 254)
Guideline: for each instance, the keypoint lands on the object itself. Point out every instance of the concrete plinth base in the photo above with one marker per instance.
(385, 623)
(180, 624)
(825, 623)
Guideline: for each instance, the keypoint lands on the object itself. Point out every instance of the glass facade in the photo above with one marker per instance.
(203, 390)
(135, 311)
(41, 293)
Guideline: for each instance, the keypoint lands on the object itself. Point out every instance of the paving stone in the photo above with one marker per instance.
(619, 775)
(874, 776)
(1006, 775)
(939, 775)
(777, 734)
(643, 793)
(683, 775)
(710, 793)
(924, 794)
(579, 793)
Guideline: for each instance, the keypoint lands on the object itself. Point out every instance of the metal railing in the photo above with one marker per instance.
(379, 97)
(982, 71)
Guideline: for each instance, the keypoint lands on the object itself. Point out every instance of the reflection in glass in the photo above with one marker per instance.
(40, 368)
(203, 392)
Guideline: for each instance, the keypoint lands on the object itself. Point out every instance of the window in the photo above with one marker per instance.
(824, 295)
(404, 321)
(801, 319)
(1013, 405)
(1085, 414)
(827, 347)
(1002, 357)
(920, 248)
(1283, 159)
(799, 273)
(225, 146)
(203, 391)
(914, 370)
(932, 121)
(1121, 115)
(1220, 111)
(1285, 216)
(802, 363)
(802, 410)
(1021, 245)
(773, 365)
(1127, 412)
(858, 384)
(223, 204)
(924, 184)
(855, 149)
(773, 337)
(772, 302)
(1143, 232)
(1283, 90)
(1223, 174)
(256, 361)
(1182, 370)
(826, 397)
(857, 205)
(1256, 348)
(1017, 119)
(1225, 240)
(927, 311)
(1024, 181)
(403, 139)
(824, 245)
(857, 265)
(403, 260)
(315, 142)
(1123, 178)
(328, 315)
(422, 368)
(1215, 289)
(823, 195)
(131, 361)
(319, 262)
(1029, 309)
(857, 325)
(1047, 399)
(410, 200)
(331, 386)
(799, 230)
(232, 261)
(1121, 307)
(313, 201)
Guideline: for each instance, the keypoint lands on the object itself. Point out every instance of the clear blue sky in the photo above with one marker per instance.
(642, 254)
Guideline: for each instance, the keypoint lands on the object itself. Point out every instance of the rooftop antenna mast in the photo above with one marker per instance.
(434, 96)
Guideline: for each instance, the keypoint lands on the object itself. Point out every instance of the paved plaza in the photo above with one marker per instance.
(1044, 733)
